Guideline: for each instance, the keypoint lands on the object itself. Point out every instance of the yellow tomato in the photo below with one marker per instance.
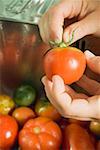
(6, 104)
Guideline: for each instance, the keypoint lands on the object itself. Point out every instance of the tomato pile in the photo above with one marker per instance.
(28, 121)
(36, 125)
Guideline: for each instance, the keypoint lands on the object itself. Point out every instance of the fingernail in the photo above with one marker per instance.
(43, 79)
(89, 54)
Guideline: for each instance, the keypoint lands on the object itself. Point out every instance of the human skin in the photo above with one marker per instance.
(87, 12)
(68, 102)
(71, 104)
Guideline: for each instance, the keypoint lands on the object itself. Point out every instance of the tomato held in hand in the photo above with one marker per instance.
(40, 134)
(8, 131)
(44, 108)
(69, 63)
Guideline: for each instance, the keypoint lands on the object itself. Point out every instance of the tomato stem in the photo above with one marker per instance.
(62, 44)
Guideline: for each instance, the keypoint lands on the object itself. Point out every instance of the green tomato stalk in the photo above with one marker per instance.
(62, 44)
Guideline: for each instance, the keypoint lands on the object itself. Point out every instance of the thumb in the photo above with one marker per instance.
(79, 29)
(93, 61)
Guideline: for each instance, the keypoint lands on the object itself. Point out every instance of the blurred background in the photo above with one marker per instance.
(21, 53)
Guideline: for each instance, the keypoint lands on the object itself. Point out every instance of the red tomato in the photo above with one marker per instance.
(40, 134)
(69, 63)
(8, 131)
(77, 138)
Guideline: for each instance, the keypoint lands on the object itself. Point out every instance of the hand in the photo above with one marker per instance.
(85, 12)
(72, 104)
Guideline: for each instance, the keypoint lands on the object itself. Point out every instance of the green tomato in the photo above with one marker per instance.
(24, 95)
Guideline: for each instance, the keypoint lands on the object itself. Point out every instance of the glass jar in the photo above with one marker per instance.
(21, 47)
(21, 53)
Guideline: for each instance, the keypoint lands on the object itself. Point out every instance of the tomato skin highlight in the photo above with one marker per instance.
(8, 131)
(40, 133)
(69, 63)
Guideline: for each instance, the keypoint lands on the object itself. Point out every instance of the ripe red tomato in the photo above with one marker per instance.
(77, 138)
(69, 63)
(8, 131)
(40, 134)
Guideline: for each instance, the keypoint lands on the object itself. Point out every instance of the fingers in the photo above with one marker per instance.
(48, 88)
(80, 108)
(60, 93)
(93, 61)
(86, 26)
(91, 86)
(43, 28)
(51, 23)
(49, 93)
(73, 94)
(85, 109)
(94, 104)
(57, 94)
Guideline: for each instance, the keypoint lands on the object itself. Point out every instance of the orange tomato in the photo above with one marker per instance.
(69, 63)
(40, 133)
(44, 108)
(8, 131)
(23, 114)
